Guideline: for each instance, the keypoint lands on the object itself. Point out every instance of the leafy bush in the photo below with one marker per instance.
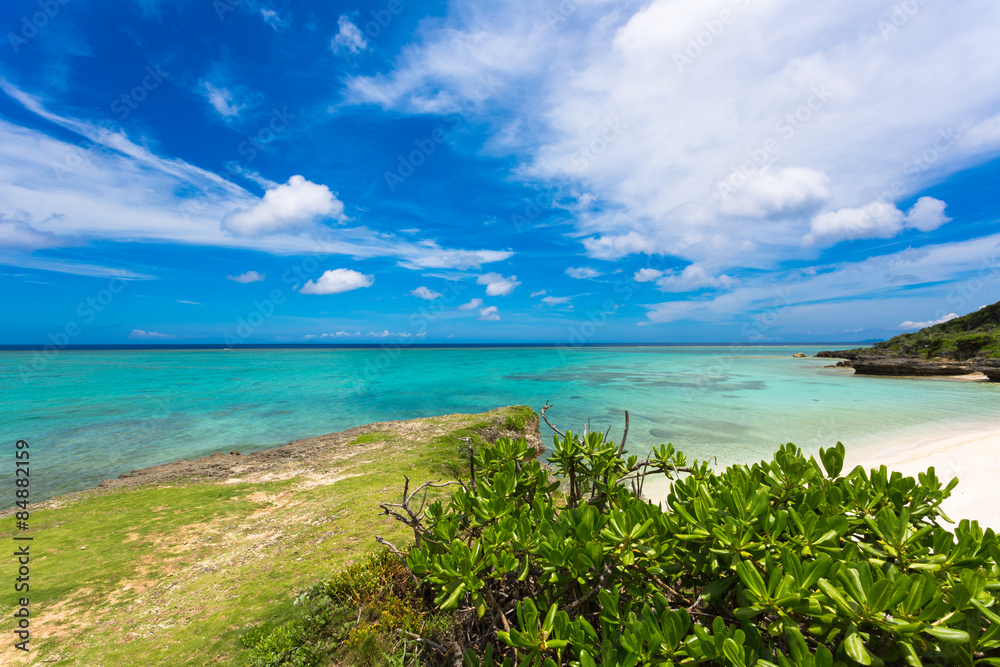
(360, 616)
(786, 562)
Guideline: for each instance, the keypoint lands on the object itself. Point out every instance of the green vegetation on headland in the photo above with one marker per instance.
(784, 563)
(177, 572)
(962, 345)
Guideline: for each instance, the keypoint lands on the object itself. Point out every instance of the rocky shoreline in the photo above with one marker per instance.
(865, 363)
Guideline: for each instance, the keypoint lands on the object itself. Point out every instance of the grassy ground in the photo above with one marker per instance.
(177, 573)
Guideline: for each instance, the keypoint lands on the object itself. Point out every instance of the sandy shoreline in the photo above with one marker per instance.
(973, 456)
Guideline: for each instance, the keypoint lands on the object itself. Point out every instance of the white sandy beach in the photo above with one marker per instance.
(972, 456)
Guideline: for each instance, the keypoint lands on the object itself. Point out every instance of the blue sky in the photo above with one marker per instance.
(212, 171)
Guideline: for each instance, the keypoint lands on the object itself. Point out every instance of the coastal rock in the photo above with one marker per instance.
(990, 368)
(844, 364)
(839, 354)
(897, 366)
(799, 354)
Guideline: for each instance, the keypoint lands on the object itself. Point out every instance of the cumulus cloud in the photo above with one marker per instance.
(248, 277)
(646, 275)
(336, 281)
(540, 292)
(909, 324)
(348, 38)
(490, 314)
(139, 334)
(471, 305)
(497, 285)
(425, 293)
(582, 272)
(826, 120)
(783, 192)
(294, 206)
(927, 214)
(876, 220)
(694, 277)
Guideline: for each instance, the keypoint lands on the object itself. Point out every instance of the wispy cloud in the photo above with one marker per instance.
(121, 190)
(828, 121)
(349, 37)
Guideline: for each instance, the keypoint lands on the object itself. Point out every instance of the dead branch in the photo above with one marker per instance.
(544, 409)
(392, 547)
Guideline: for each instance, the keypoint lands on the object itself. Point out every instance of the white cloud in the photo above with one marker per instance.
(118, 189)
(909, 324)
(826, 119)
(425, 293)
(874, 293)
(556, 300)
(540, 292)
(371, 334)
(293, 206)
(248, 277)
(139, 334)
(497, 285)
(927, 214)
(471, 305)
(582, 272)
(646, 275)
(336, 281)
(190, 303)
(272, 18)
(693, 277)
(348, 38)
(221, 100)
(21, 235)
(490, 314)
(876, 220)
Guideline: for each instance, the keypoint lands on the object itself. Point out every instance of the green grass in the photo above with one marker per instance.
(178, 574)
(374, 436)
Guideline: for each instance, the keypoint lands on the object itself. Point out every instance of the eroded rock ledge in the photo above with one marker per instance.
(866, 364)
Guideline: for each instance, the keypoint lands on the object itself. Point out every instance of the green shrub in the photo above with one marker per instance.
(353, 617)
(786, 562)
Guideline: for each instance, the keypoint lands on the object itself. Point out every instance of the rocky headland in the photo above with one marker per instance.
(959, 346)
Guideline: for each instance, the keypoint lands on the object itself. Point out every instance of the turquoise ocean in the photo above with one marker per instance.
(94, 414)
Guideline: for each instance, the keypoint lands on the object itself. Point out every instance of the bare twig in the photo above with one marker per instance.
(544, 409)
(392, 547)
(621, 447)
(433, 644)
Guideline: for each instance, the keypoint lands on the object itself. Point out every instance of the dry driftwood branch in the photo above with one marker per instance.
(544, 409)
